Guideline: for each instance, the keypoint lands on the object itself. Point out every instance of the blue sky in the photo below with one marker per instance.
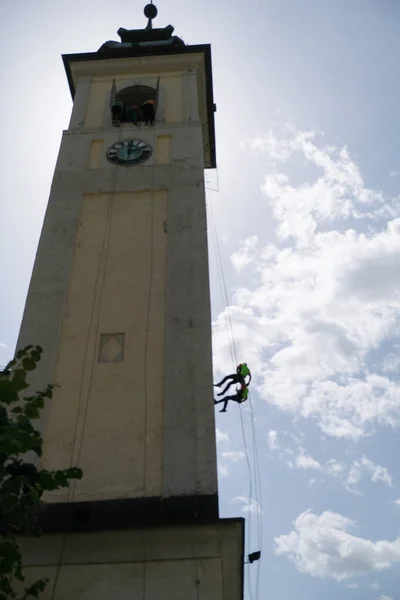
(308, 222)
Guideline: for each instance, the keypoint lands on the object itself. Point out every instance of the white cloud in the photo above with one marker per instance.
(246, 253)
(337, 192)
(384, 597)
(396, 501)
(320, 307)
(334, 467)
(222, 436)
(304, 461)
(223, 470)
(391, 362)
(3, 345)
(321, 546)
(249, 504)
(349, 474)
(376, 472)
(376, 585)
(234, 456)
(272, 440)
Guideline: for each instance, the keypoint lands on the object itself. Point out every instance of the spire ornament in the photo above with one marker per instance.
(150, 11)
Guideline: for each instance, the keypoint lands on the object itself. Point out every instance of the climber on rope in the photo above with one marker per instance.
(242, 371)
(241, 396)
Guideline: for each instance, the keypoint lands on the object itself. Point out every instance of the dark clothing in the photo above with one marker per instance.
(116, 113)
(148, 112)
(235, 378)
(238, 397)
(135, 114)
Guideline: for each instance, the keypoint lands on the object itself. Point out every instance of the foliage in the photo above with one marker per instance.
(22, 483)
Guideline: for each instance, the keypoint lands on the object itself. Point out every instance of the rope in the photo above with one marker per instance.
(258, 494)
(148, 314)
(256, 469)
(58, 567)
(104, 251)
(146, 348)
(197, 580)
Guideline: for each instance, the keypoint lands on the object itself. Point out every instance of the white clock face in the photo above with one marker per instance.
(129, 152)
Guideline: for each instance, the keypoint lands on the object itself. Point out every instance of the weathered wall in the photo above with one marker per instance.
(110, 232)
(188, 563)
(107, 414)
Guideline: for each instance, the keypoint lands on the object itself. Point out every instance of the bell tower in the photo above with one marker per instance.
(119, 301)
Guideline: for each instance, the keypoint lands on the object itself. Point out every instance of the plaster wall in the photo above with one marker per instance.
(91, 277)
(107, 413)
(172, 563)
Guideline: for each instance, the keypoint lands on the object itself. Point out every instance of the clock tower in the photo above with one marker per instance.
(119, 302)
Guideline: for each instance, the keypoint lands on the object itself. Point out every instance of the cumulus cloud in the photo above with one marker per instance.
(376, 472)
(322, 546)
(376, 585)
(384, 597)
(327, 295)
(222, 436)
(223, 470)
(305, 461)
(272, 440)
(349, 474)
(245, 254)
(248, 504)
(337, 192)
(234, 456)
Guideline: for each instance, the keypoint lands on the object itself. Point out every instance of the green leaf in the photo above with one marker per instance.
(47, 481)
(61, 478)
(36, 588)
(31, 411)
(36, 355)
(28, 364)
(19, 379)
(38, 401)
(21, 483)
(8, 391)
(74, 473)
(48, 392)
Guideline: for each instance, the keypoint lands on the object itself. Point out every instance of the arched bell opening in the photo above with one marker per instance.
(134, 104)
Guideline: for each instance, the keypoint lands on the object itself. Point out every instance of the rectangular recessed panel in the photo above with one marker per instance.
(111, 347)
(96, 148)
(163, 149)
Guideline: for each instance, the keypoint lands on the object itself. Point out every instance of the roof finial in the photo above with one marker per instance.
(150, 11)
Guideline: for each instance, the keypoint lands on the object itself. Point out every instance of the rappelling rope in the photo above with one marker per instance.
(151, 266)
(257, 480)
(103, 252)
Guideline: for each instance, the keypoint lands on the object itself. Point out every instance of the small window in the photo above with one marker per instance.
(134, 104)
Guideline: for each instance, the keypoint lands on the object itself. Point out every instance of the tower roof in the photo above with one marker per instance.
(143, 38)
